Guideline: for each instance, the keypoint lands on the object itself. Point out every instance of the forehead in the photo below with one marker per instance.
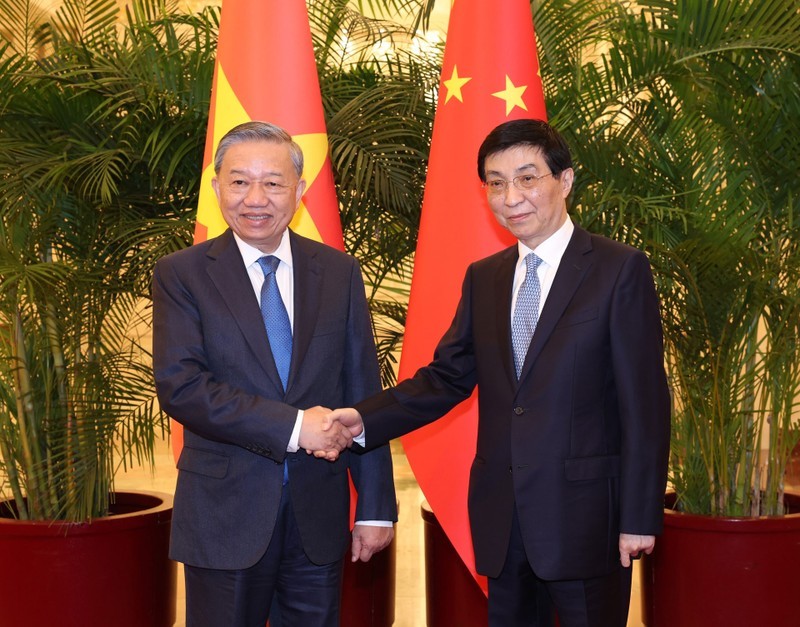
(258, 155)
(515, 159)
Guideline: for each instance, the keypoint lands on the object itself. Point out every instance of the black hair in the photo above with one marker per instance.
(534, 133)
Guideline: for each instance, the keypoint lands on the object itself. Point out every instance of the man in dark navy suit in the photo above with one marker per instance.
(562, 335)
(256, 332)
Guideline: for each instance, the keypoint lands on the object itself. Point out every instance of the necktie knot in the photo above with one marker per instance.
(269, 264)
(532, 262)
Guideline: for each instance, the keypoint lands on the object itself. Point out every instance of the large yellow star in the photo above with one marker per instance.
(454, 85)
(512, 95)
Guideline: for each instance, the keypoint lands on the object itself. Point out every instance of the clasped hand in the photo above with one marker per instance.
(325, 433)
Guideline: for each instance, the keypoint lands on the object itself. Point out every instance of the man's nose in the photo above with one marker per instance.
(256, 195)
(513, 196)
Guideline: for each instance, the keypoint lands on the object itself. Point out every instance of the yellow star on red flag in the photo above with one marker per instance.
(512, 95)
(454, 85)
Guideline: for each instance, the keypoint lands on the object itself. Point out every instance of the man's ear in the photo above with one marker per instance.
(566, 179)
(301, 189)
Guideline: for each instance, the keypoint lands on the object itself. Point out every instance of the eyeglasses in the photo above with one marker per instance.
(523, 182)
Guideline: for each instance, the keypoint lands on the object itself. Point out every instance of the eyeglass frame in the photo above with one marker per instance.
(515, 183)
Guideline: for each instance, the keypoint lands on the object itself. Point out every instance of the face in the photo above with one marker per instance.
(258, 192)
(530, 215)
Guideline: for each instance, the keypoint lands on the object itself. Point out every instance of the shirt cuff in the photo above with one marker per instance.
(361, 438)
(294, 441)
(375, 523)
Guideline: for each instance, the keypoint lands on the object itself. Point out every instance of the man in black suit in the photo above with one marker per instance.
(255, 333)
(562, 335)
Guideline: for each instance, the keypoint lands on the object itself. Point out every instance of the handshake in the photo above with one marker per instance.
(325, 433)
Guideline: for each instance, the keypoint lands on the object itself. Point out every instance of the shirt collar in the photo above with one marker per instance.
(552, 249)
(251, 254)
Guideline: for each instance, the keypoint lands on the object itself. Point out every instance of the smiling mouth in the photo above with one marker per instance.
(257, 218)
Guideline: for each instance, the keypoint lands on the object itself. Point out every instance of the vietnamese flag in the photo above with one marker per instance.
(490, 74)
(265, 70)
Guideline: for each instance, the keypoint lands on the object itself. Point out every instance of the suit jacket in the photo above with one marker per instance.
(215, 375)
(580, 443)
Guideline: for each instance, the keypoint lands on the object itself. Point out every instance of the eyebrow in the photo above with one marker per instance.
(527, 166)
(240, 172)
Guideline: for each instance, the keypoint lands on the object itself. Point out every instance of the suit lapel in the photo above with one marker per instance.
(308, 274)
(228, 274)
(504, 286)
(573, 267)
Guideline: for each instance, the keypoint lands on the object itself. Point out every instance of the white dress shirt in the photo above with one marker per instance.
(550, 252)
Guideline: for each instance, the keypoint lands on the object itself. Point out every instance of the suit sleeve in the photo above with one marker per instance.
(643, 396)
(371, 472)
(434, 389)
(187, 387)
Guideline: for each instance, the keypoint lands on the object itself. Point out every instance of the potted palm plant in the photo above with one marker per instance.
(685, 118)
(98, 149)
(102, 123)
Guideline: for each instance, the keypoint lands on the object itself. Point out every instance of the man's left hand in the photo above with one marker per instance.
(368, 540)
(631, 546)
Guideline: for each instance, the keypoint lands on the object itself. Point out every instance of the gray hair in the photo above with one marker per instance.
(258, 132)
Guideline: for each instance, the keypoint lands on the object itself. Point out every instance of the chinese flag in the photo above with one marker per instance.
(265, 70)
(490, 74)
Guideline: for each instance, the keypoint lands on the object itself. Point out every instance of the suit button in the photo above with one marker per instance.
(519, 411)
(511, 469)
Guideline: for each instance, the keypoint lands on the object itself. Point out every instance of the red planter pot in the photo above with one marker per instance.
(453, 597)
(708, 571)
(112, 571)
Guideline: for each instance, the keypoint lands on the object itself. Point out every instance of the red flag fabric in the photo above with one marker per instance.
(490, 74)
(265, 70)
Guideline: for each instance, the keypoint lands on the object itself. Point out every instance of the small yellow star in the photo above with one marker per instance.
(454, 85)
(512, 95)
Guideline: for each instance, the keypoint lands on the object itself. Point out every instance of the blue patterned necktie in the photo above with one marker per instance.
(276, 320)
(526, 311)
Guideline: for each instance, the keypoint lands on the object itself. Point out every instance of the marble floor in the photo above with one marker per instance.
(410, 577)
